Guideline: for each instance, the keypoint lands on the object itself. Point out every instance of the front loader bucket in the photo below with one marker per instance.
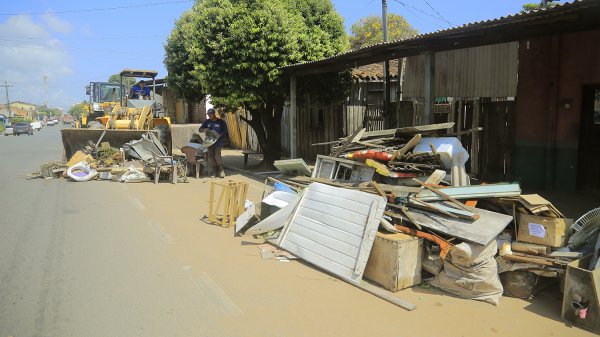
(77, 139)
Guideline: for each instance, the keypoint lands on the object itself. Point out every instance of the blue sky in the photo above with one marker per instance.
(74, 42)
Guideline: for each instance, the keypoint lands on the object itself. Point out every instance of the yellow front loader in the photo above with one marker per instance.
(117, 117)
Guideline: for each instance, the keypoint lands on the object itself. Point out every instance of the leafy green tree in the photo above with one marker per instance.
(235, 49)
(76, 110)
(528, 7)
(368, 31)
(19, 119)
(127, 81)
(180, 66)
(48, 111)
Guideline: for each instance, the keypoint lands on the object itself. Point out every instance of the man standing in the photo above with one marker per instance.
(218, 126)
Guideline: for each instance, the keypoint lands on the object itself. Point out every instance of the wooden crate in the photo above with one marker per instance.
(230, 203)
(395, 261)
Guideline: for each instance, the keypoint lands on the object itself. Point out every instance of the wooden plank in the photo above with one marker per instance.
(480, 231)
(384, 295)
(443, 195)
(474, 192)
(435, 178)
(515, 258)
(409, 130)
(347, 142)
(378, 189)
(407, 147)
(438, 207)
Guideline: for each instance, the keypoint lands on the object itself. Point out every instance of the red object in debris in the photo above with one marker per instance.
(370, 154)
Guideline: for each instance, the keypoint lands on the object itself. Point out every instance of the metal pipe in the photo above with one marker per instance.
(386, 68)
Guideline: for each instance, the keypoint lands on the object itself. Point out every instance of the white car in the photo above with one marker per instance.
(37, 126)
(8, 130)
(50, 122)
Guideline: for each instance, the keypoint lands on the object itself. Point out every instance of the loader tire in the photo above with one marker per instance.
(164, 134)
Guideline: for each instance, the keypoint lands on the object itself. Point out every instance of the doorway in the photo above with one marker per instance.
(497, 140)
(588, 167)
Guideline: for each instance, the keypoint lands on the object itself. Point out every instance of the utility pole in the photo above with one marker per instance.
(386, 70)
(6, 86)
(46, 89)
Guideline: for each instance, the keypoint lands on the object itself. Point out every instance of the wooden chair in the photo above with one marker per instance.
(164, 163)
(190, 158)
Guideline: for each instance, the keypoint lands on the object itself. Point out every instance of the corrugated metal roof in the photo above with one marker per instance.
(481, 32)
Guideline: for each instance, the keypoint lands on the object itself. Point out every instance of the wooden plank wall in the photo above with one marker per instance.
(241, 135)
(311, 133)
(486, 71)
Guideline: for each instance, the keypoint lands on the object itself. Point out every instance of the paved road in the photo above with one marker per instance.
(81, 261)
(109, 259)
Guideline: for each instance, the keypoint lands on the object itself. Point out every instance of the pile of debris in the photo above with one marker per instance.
(394, 205)
(136, 161)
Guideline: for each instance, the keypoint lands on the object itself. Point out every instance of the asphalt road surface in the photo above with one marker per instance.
(111, 259)
(81, 261)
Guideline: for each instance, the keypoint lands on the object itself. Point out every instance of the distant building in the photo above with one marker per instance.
(19, 109)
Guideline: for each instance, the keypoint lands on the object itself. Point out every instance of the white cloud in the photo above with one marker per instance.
(28, 52)
(56, 24)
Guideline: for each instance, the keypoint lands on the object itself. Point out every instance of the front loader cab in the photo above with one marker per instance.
(133, 97)
(143, 110)
(102, 96)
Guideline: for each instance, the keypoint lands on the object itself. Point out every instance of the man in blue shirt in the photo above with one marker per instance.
(139, 91)
(218, 126)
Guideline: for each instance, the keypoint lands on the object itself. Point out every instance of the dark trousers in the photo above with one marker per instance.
(214, 156)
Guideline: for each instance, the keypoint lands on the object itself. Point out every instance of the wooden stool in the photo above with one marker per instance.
(230, 203)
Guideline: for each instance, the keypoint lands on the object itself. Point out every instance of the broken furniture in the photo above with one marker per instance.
(341, 169)
(276, 208)
(230, 203)
(334, 228)
(581, 296)
(191, 160)
(295, 166)
(395, 261)
(164, 163)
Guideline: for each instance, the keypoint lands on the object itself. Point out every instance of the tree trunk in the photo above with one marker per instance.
(266, 123)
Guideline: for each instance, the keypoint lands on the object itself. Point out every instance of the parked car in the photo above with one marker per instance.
(8, 130)
(22, 128)
(37, 126)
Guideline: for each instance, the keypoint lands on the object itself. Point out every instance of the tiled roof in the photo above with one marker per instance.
(374, 71)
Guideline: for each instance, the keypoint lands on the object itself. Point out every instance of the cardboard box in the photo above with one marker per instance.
(395, 261)
(543, 230)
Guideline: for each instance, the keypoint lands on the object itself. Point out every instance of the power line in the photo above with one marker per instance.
(438, 13)
(360, 10)
(99, 9)
(419, 10)
(88, 38)
(66, 48)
